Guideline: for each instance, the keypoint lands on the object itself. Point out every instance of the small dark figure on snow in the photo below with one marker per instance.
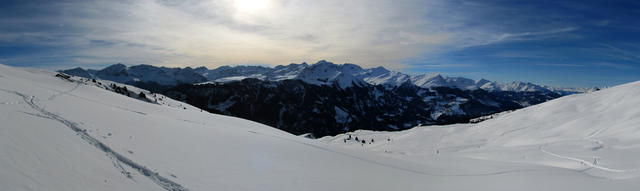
(349, 137)
(357, 139)
(372, 140)
(363, 141)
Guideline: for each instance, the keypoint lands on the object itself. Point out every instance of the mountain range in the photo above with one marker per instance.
(320, 73)
(299, 107)
(328, 99)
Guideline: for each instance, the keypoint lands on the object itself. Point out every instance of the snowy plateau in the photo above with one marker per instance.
(70, 133)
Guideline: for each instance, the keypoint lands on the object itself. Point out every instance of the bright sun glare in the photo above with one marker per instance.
(250, 6)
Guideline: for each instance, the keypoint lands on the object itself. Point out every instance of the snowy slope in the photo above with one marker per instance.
(62, 135)
(57, 134)
(594, 135)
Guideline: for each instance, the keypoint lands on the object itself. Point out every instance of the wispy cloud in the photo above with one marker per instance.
(533, 35)
(618, 66)
(629, 52)
(441, 65)
(560, 65)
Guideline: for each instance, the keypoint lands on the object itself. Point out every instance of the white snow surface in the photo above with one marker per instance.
(579, 142)
(58, 134)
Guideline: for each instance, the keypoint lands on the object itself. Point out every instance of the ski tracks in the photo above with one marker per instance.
(118, 159)
(52, 97)
(586, 163)
(398, 167)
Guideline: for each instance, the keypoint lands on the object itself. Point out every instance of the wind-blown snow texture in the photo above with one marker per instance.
(54, 135)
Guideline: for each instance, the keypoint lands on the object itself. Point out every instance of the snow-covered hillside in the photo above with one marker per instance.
(59, 134)
(63, 135)
(594, 136)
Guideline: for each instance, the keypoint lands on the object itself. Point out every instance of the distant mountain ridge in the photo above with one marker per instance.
(328, 99)
(141, 73)
(320, 73)
(299, 107)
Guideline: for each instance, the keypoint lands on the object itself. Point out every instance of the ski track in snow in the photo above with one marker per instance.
(402, 168)
(590, 165)
(105, 104)
(11, 103)
(586, 163)
(118, 159)
(52, 97)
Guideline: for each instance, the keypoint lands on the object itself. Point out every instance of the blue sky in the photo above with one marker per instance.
(561, 43)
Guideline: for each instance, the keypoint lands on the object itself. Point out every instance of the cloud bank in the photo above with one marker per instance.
(211, 33)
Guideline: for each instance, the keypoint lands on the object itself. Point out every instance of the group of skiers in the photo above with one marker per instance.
(362, 141)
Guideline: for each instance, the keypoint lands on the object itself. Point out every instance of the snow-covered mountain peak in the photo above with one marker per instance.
(482, 81)
(428, 80)
(291, 67)
(114, 70)
(78, 71)
(377, 70)
(321, 73)
(345, 80)
(351, 69)
(522, 86)
(327, 73)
